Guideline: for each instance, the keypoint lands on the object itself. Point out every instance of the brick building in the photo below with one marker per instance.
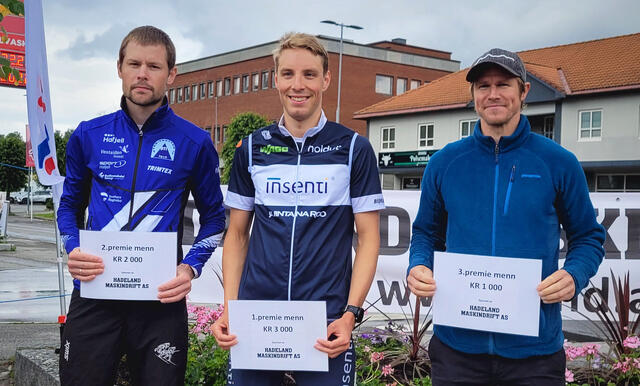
(210, 91)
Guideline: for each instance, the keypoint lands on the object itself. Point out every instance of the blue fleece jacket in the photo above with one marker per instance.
(508, 199)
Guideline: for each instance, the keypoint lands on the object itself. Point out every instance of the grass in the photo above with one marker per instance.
(44, 216)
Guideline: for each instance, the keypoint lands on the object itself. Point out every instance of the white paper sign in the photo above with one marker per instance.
(135, 263)
(487, 293)
(278, 335)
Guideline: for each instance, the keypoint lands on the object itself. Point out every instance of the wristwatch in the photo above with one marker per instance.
(358, 312)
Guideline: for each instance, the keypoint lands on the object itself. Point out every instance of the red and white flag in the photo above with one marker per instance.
(29, 162)
(38, 102)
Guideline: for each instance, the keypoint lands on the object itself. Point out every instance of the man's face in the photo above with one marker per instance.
(497, 97)
(145, 74)
(300, 83)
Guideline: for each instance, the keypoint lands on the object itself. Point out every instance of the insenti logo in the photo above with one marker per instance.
(323, 149)
(275, 185)
(273, 149)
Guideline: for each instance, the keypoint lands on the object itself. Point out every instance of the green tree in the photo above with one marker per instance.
(12, 152)
(61, 149)
(241, 125)
(9, 7)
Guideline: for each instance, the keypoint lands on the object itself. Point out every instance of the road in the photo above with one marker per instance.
(29, 275)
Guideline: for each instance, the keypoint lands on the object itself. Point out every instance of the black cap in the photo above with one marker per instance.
(508, 60)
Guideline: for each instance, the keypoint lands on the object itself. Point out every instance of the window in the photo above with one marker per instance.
(219, 88)
(265, 79)
(236, 85)
(227, 86)
(172, 96)
(618, 183)
(210, 89)
(388, 181)
(590, 125)
(414, 84)
(466, 128)
(180, 95)
(203, 91)
(194, 95)
(547, 129)
(245, 83)
(388, 138)
(384, 84)
(273, 79)
(401, 86)
(187, 93)
(255, 84)
(425, 135)
(217, 135)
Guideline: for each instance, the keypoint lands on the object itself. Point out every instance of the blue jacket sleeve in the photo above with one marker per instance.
(75, 193)
(585, 237)
(430, 226)
(207, 196)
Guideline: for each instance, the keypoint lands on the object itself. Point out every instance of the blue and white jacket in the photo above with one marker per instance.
(304, 197)
(508, 199)
(139, 180)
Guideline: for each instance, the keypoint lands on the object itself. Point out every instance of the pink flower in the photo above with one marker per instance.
(376, 356)
(568, 375)
(631, 342)
(366, 349)
(387, 370)
(623, 366)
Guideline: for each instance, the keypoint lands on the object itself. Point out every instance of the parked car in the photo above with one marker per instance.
(38, 197)
(17, 196)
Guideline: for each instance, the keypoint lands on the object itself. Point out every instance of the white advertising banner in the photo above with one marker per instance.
(619, 213)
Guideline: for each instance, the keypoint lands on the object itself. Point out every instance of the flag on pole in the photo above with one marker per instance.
(38, 101)
(29, 162)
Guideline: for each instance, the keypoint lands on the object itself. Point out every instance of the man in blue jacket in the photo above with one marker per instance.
(505, 191)
(133, 171)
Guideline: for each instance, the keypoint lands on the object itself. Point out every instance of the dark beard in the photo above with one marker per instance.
(146, 104)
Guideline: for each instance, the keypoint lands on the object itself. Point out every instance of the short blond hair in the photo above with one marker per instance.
(304, 41)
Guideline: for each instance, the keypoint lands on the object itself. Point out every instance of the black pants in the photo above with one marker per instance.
(452, 367)
(153, 335)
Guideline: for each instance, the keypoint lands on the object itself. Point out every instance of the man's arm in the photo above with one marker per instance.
(428, 234)
(585, 236)
(236, 244)
(205, 187)
(81, 265)
(364, 269)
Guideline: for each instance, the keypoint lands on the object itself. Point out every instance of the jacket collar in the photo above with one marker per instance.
(160, 113)
(309, 133)
(513, 141)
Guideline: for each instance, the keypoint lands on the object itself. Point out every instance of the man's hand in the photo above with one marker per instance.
(421, 281)
(220, 330)
(341, 329)
(84, 266)
(177, 288)
(557, 287)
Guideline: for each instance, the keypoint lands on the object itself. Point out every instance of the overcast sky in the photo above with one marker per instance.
(83, 37)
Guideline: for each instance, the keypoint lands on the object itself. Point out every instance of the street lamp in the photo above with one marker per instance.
(341, 25)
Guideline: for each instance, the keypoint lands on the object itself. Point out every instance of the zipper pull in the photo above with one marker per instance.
(513, 173)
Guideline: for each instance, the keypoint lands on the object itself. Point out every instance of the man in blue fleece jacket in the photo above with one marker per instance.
(505, 191)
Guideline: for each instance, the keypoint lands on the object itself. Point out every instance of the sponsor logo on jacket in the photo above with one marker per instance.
(276, 185)
(323, 148)
(111, 138)
(112, 164)
(300, 213)
(268, 149)
(163, 149)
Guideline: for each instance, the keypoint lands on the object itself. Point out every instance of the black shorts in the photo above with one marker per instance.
(453, 367)
(342, 371)
(97, 332)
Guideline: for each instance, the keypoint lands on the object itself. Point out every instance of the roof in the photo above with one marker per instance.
(590, 67)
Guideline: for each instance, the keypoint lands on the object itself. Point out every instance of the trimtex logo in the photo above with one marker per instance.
(273, 149)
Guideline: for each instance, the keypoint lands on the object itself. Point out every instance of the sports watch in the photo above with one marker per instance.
(358, 312)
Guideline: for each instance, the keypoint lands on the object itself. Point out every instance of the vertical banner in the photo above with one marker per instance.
(29, 161)
(38, 101)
